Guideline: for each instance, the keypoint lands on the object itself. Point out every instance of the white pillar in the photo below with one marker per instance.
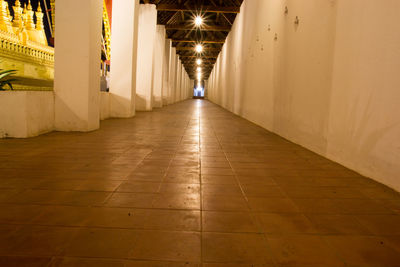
(178, 79)
(77, 64)
(123, 57)
(183, 82)
(145, 57)
(191, 88)
(166, 82)
(206, 89)
(172, 75)
(159, 49)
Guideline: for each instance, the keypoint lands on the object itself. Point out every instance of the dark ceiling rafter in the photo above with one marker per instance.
(189, 27)
(187, 8)
(203, 41)
(206, 49)
(178, 18)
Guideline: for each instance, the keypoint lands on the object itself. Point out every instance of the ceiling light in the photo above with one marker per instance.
(198, 61)
(198, 21)
(199, 48)
(198, 69)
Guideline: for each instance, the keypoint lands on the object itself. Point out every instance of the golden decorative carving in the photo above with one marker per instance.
(53, 14)
(24, 47)
(107, 31)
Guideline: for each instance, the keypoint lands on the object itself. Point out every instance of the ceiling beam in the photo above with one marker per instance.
(209, 41)
(191, 64)
(194, 64)
(211, 49)
(202, 9)
(204, 60)
(202, 57)
(185, 27)
(204, 70)
(194, 53)
(201, 66)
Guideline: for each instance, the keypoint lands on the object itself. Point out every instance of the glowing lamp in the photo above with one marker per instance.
(199, 48)
(198, 21)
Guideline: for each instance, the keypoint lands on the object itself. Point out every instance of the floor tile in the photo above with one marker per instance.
(262, 204)
(235, 248)
(188, 185)
(302, 250)
(179, 220)
(105, 243)
(177, 201)
(364, 250)
(337, 224)
(241, 222)
(224, 203)
(285, 223)
(167, 246)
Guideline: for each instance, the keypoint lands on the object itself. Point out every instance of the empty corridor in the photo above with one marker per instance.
(188, 185)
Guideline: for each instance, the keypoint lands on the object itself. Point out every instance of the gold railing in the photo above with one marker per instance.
(30, 53)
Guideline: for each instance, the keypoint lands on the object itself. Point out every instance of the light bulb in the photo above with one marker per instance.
(199, 48)
(198, 21)
(198, 61)
(198, 69)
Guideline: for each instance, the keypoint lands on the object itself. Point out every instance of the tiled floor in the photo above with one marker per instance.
(188, 185)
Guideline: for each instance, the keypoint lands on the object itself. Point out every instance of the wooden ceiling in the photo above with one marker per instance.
(178, 17)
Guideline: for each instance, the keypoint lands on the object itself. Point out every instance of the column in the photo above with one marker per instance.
(178, 79)
(159, 49)
(166, 82)
(145, 57)
(124, 37)
(172, 75)
(77, 64)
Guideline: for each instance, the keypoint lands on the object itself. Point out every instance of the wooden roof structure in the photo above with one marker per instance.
(178, 17)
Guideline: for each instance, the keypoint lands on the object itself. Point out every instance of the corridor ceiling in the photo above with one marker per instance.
(178, 16)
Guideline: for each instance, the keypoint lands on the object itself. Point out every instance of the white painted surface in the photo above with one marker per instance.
(178, 80)
(145, 56)
(329, 84)
(172, 75)
(364, 121)
(77, 75)
(166, 77)
(159, 49)
(124, 57)
(26, 113)
(105, 105)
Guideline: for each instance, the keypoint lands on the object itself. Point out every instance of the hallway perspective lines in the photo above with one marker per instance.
(190, 184)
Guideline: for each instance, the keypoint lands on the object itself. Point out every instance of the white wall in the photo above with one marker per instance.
(329, 84)
(26, 113)
(364, 121)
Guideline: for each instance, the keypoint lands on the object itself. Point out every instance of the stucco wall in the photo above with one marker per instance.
(328, 83)
(26, 113)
